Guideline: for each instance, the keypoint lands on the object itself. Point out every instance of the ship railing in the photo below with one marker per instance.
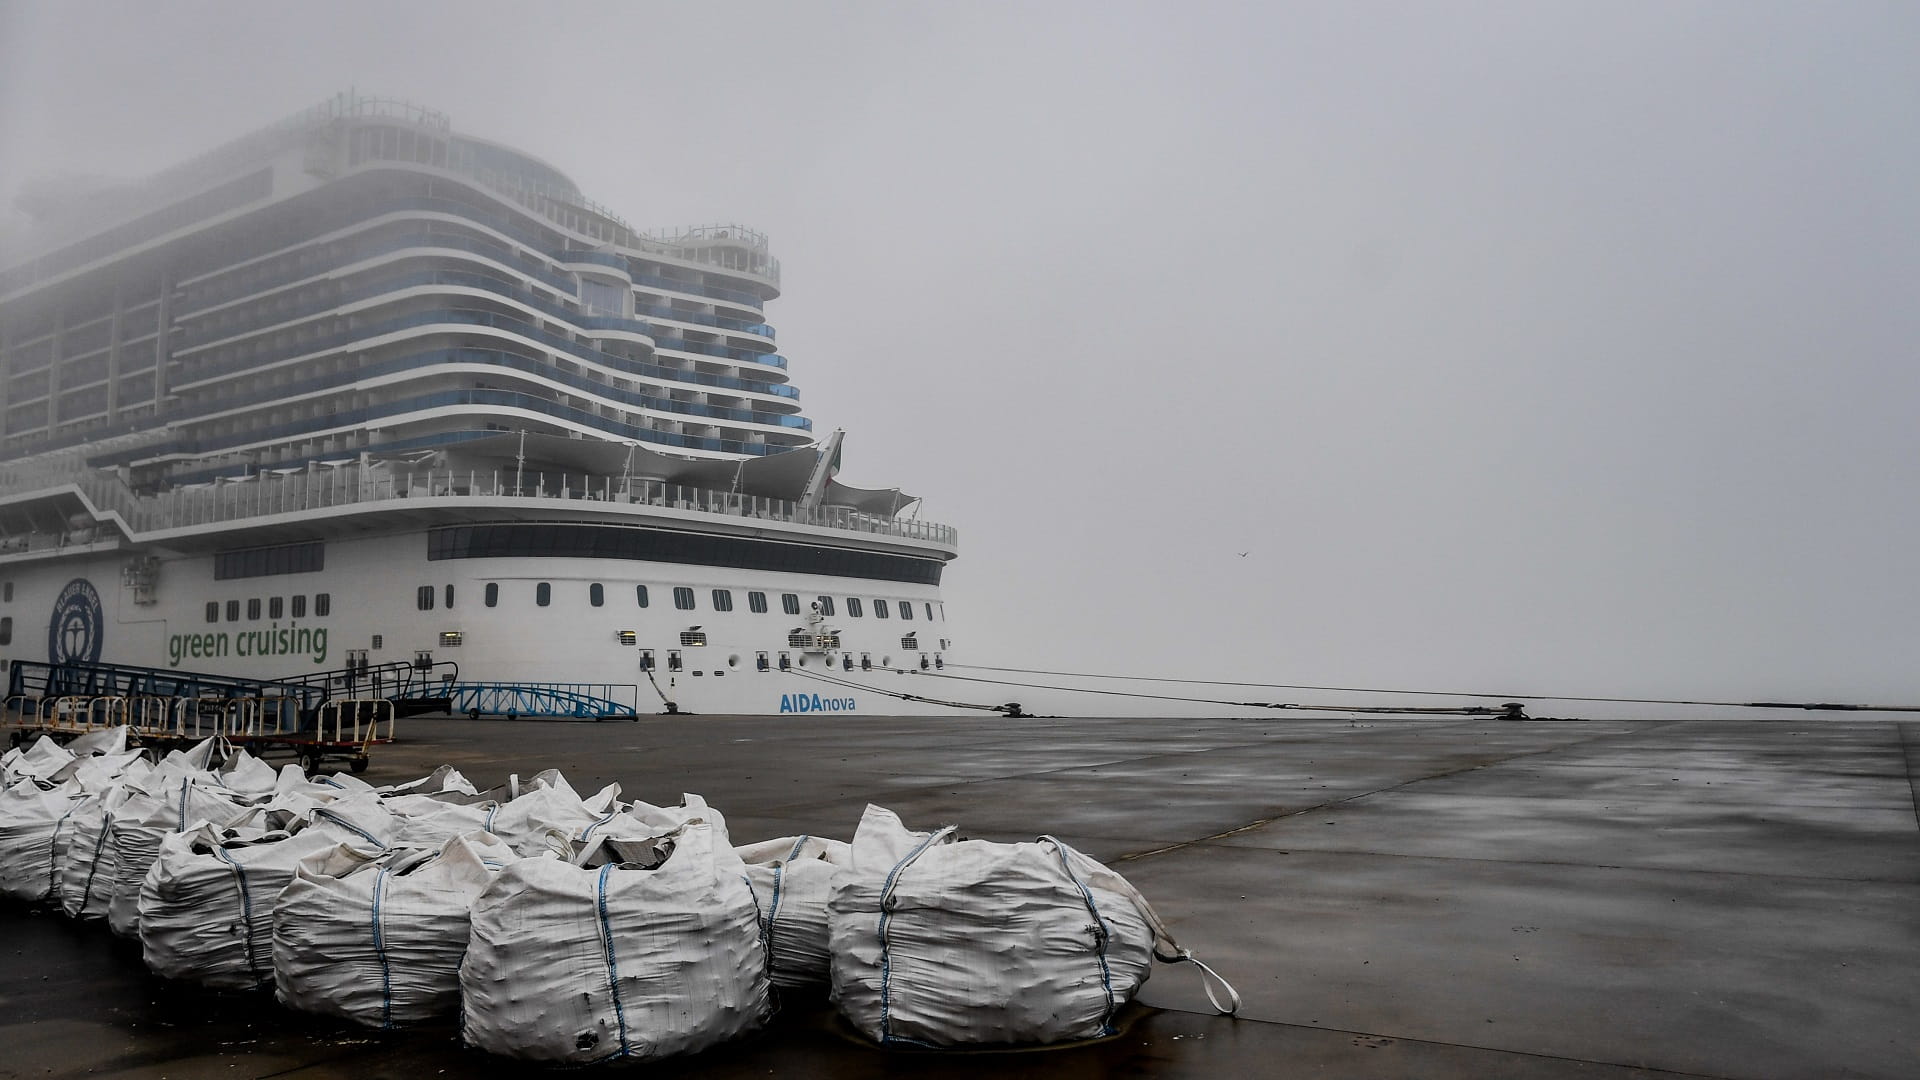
(313, 487)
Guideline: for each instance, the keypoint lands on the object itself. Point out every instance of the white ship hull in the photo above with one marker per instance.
(373, 589)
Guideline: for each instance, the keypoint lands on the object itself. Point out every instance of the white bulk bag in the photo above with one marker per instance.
(550, 816)
(444, 780)
(248, 775)
(108, 741)
(792, 878)
(206, 907)
(30, 815)
(39, 761)
(654, 954)
(659, 820)
(102, 771)
(429, 821)
(938, 942)
(144, 820)
(378, 939)
(87, 857)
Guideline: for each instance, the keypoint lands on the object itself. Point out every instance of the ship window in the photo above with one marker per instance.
(683, 598)
(233, 611)
(826, 605)
(880, 609)
(790, 603)
(213, 611)
(597, 594)
(757, 603)
(722, 600)
(906, 610)
(929, 611)
(449, 595)
(493, 594)
(853, 607)
(299, 607)
(276, 606)
(378, 641)
(640, 595)
(543, 593)
(322, 604)
(6, 629)
(303, 558)
(6, 592)
(423, 598)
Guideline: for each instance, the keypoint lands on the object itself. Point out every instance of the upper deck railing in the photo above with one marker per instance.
(318, 487)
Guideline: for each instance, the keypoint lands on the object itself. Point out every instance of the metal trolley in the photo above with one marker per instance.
(312, 718)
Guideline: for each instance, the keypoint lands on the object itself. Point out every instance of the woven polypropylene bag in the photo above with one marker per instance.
(653, 954)
(378, 938)
(945, 942)
(792, 879)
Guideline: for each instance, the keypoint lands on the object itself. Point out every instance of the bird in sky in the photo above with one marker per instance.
(1244, 554)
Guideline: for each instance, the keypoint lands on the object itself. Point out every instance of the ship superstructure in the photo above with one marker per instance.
(360, 381)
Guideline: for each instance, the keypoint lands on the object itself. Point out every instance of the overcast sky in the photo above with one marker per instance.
(1532, 345)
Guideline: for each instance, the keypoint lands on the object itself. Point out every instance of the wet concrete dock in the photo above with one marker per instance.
(1393, 898)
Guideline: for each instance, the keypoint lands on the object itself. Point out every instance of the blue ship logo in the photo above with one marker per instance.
(79, 627)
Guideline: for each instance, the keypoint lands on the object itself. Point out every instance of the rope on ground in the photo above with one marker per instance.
(1810, 706)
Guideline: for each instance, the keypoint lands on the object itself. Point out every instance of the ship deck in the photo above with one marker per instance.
(1416, 898)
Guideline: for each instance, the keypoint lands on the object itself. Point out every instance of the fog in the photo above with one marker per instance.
(1533, 346)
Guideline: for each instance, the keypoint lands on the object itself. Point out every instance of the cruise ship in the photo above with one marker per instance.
(358, 388)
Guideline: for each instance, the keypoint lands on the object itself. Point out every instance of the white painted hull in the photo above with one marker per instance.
(374, 588)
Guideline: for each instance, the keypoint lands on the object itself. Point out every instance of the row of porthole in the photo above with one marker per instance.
(685, 599)
(274, 607)
(763, 661)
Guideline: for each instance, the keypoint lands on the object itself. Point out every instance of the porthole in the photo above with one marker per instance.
(597, 594)
(886, 661)
(543, 593)
(493, 594)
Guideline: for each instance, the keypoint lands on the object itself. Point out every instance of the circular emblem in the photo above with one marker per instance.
(78, 628)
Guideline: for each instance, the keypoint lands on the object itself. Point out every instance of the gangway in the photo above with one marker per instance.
(40, 681)
(412, 685)
(576, 701)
